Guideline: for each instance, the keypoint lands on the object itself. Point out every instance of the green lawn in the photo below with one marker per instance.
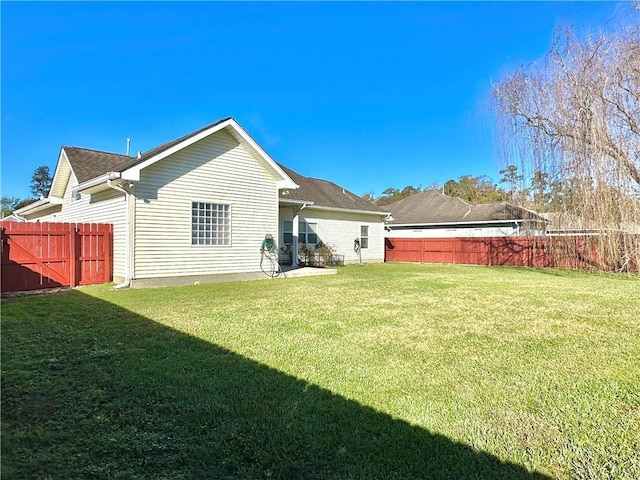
(379, 372)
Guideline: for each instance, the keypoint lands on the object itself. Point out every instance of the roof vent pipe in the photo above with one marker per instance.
(128, 146)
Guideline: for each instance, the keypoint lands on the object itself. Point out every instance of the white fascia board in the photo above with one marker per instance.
(56, 175)
(286, 202)
(482, 222)
(39, 205)
(349, 210)
(97, 184)
(133, 173)
(286, 181)
(61, 157)
(34, 207)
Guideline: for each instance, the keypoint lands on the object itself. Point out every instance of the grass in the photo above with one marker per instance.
(382, 371)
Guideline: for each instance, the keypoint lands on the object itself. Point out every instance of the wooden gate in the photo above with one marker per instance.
(47, 255)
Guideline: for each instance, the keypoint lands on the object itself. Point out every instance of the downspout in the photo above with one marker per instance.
(127, 236)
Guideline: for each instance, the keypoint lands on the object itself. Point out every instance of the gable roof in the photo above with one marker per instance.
(327, 195)
(433, 207)
(88, 164)
(230, 126)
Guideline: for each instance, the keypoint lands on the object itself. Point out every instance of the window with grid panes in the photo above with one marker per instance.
(210, 224)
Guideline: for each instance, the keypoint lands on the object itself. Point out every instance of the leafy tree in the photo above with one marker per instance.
(41, 181)
(391, 195)
(388, 196)
(369, 196)
(541, 191)
(512, 178)
(475, 189)
(8, 205)
(408, 191)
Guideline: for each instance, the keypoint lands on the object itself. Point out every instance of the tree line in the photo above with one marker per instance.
(539, 193)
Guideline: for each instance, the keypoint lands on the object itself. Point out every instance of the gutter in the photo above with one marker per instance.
(97, 182)
(479, 222)
(38, 205)
(346, 210)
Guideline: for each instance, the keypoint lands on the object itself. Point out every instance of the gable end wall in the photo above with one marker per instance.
(216, 170)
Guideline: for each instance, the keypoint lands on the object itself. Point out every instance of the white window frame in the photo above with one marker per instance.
(287, 232)
(304, 231)
(364, 239)
(220, 216)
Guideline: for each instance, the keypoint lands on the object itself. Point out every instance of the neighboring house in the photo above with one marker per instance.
(567, 224)
(435, 215)
(199, 207)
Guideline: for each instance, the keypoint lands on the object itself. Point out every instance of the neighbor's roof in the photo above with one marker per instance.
(433, 207)
(322, 193)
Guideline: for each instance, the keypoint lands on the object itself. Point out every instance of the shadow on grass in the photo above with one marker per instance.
(91, 390)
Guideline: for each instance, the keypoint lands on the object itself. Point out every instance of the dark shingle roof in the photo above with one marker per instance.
(88, 164)
(434, 207)
(323, 193)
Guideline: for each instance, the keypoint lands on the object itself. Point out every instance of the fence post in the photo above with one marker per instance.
(73, 256)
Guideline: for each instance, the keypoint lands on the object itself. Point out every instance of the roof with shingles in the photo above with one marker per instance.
(166, 146)
(88, 164)
(432, 207)
(323, 193)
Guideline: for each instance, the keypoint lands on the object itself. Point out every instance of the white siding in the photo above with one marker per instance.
(214, 170)
(103, 207)
(339, 230)
(442, 232)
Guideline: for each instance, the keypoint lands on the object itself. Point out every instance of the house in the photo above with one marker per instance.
(197, 208)
(320, 211)
(431, 214)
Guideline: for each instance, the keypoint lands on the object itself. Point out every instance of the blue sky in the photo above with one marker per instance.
(368, 95)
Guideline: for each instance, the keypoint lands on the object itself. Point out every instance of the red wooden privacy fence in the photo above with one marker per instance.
(47, 255)
(566, 252)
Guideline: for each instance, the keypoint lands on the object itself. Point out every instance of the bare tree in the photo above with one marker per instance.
(573, 118)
